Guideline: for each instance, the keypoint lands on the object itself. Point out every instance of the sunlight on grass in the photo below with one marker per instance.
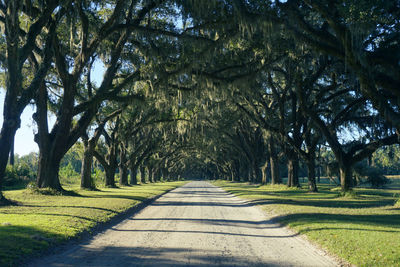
(40, 221)
(363, 229)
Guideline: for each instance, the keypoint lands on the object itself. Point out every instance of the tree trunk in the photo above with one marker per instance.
(158, 175)
(3, 200)
(274, 163)
(319, 167)
(256, 171)
(264, 172)
(138, 178)
(293, 172)
(123, 175)
(12, 156)
(123, 169)
(13, 78)
(151, 175)
(133, 176)
(346, 176)
(236, 170)
(166, 174)
(312, 185)
(155, 174)
(275, 175)
(143, 174)
(110, 176)
(86, 172)
(52, 146)
(249, 177)
(6, 136)
(49, 165)
(18, 97)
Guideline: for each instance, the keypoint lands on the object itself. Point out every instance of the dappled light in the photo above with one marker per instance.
(292, 105)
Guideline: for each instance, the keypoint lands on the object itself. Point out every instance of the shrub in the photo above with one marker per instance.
(18, 175)
(68, 175)
(10, 176)
(376, 179)
(98, 177)
(370, 175)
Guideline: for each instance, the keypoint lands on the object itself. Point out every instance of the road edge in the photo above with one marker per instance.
(89, 234)
(270, 216)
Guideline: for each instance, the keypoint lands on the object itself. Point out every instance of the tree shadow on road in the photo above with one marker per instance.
(145, 256)
(220, 222)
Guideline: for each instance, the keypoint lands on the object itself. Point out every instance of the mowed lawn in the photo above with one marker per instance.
(362, 228)
(40, 221)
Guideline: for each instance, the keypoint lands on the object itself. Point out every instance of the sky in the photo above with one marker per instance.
(24, 143)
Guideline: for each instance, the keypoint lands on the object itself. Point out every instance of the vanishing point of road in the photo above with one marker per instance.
(197, 224)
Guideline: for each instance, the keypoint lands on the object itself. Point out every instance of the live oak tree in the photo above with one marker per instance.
(73, 54)
(364, 35)
(335, 105)
(28, 28)
(79, 101)
(107, 151)
(89, 144)
(230, 86)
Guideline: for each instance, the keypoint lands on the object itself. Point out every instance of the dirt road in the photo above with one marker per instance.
(194, 225)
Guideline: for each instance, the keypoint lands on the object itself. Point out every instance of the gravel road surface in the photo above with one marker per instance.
(197, 224)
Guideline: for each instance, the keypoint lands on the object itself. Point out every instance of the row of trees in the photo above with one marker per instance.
(227, 86)
(51, 48)
(307, 74)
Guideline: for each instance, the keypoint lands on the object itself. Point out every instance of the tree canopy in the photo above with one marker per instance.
(220, 89)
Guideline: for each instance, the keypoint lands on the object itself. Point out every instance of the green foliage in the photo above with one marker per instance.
(18, 175)
(11, 176)
(73, 157)
(370, 175)
(68, 175)
(30, 161)
(98, 177)
(387, 159)
(376, 179)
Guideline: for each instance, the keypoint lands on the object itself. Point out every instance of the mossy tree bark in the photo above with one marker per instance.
(87, 162)
(143, 174)
(346, 176)
(274, 162)
(312, 183)
(133, 178)
(89, 146)
(109, 161)
(19, 47)
(293, 171)
(123, 168)
(75, 114)
(264, 169)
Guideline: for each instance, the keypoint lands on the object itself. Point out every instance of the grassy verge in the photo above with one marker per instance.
(363, 229)
(40, 221)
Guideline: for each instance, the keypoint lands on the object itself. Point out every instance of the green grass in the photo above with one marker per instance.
(362, 228)
(40, 221)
